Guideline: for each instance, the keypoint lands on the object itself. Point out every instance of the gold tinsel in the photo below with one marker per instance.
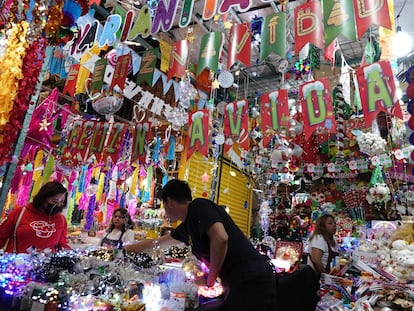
(54, 18)
(11, 69)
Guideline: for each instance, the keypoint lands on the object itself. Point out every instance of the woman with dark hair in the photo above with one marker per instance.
(120, 230)
(323, 248)
(39, 225)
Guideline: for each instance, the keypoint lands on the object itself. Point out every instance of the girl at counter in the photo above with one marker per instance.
(119, 231)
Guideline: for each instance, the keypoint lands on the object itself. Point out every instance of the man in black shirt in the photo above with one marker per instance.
(215, 239)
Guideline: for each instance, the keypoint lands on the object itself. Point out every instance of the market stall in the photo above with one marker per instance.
(258, 105)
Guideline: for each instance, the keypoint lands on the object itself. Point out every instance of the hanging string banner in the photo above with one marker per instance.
(103, 140)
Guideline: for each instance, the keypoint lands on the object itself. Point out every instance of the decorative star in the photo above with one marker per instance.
(215, 84)
(190, 37)
(44, 125)
(227, 24)
(205, 177)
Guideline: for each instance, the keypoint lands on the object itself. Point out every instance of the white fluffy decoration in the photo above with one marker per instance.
(378, 193)
(371, 144)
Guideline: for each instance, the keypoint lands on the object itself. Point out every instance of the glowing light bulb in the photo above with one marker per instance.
(402, 43)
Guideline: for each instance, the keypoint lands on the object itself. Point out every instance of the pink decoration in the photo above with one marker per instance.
(142, 171)
(15, 183)
(84, 202)
(132, 207)
(25, 189)
(71, 180)
(37, 134)
(110, 206)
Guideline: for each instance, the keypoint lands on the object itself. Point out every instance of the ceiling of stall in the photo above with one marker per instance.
(264, 77)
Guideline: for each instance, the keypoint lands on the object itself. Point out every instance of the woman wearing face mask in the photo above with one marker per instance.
(119, 231)
(38, 225)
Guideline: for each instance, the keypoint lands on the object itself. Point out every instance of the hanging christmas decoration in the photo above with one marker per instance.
(338, 101)
(109, 101)
(256, 28)
(225, 79)
(187, 93)
(370, 143)
(32, 64)
(301, 67)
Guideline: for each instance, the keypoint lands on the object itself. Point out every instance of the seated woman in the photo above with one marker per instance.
(119, 231)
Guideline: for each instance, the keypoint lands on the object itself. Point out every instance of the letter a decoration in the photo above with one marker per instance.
(210, 50)
(317, 109)
(198, 133)
(377, 91)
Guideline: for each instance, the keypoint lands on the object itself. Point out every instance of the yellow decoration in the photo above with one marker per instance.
(99, 191)
(215, 84)
(134, 182)
(78, 197)
(85, 67)
(95, 172)
(227, 24)
(165, 55)
(11, 70)
(190, 36)
(37, 172)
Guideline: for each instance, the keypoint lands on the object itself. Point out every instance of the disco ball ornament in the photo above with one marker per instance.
(109, 101)
(187, 93)
(225, 79)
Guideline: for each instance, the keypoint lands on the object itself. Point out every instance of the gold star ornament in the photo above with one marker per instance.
(215, 84)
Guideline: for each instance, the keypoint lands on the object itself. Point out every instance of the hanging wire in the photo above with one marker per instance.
(402, 8)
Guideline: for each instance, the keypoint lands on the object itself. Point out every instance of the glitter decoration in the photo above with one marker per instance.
(301, 68)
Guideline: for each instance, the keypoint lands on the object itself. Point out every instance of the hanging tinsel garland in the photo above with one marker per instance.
(32, 64)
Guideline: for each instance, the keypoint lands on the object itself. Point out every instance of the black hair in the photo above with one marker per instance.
(128, 223)
(176, 189)
(47, 191)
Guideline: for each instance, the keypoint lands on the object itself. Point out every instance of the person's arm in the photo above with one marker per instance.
(143, 246)
(316, 257)
(129, 236)
(63, 242)
(218, 250)
(7, 227)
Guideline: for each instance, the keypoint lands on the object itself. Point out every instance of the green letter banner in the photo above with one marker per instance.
(210, 50)
(338, 17)
(273, 36)
(142, 135)
(148, 62)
